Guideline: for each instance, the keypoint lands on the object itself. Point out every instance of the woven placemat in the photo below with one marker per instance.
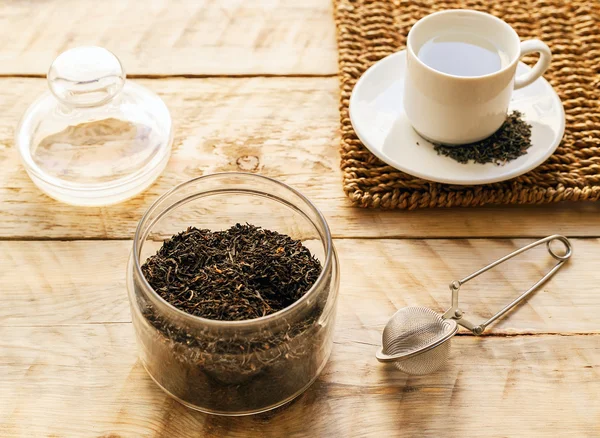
(369, 30)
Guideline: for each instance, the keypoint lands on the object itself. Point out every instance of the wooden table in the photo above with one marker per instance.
(252, 86)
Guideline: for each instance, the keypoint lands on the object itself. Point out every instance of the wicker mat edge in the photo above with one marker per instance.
(369, 30)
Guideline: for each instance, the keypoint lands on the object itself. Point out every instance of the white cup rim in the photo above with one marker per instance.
(510, 65)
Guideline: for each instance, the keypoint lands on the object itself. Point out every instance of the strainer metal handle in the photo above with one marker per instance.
(455, 313)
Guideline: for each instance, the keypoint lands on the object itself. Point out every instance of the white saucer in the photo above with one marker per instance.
(377, 115)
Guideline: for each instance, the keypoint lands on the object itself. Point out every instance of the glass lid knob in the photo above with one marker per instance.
(86, 76)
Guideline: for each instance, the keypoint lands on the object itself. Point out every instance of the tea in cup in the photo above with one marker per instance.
(461, 67)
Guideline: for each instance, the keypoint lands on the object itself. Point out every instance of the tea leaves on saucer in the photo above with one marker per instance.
(508, 143)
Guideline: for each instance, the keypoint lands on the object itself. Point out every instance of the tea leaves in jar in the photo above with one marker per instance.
(238, 274)
(242, 273)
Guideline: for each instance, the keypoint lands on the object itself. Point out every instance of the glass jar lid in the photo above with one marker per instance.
(94, 138)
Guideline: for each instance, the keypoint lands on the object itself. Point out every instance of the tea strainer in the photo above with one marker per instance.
(417, 339)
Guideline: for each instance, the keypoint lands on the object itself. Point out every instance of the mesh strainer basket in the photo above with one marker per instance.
(419, 337)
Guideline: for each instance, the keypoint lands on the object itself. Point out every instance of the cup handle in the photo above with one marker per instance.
(534, 46)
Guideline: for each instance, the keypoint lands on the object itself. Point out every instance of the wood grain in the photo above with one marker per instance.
(85, 381)
(68, 361)
(174, 37)
(83, 282)
(285, 128)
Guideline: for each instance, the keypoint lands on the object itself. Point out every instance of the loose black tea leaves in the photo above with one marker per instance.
(242, 273)
(508, 143)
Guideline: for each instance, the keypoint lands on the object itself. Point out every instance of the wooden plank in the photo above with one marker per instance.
(285, 128)
(85, 381)
(174, 37)
(79, 282)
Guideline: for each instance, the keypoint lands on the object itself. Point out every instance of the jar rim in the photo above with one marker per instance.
(246, 323)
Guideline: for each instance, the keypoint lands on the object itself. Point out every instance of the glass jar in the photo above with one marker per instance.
(234, 367)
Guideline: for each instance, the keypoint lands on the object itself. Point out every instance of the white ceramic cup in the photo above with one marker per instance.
(463, 109)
